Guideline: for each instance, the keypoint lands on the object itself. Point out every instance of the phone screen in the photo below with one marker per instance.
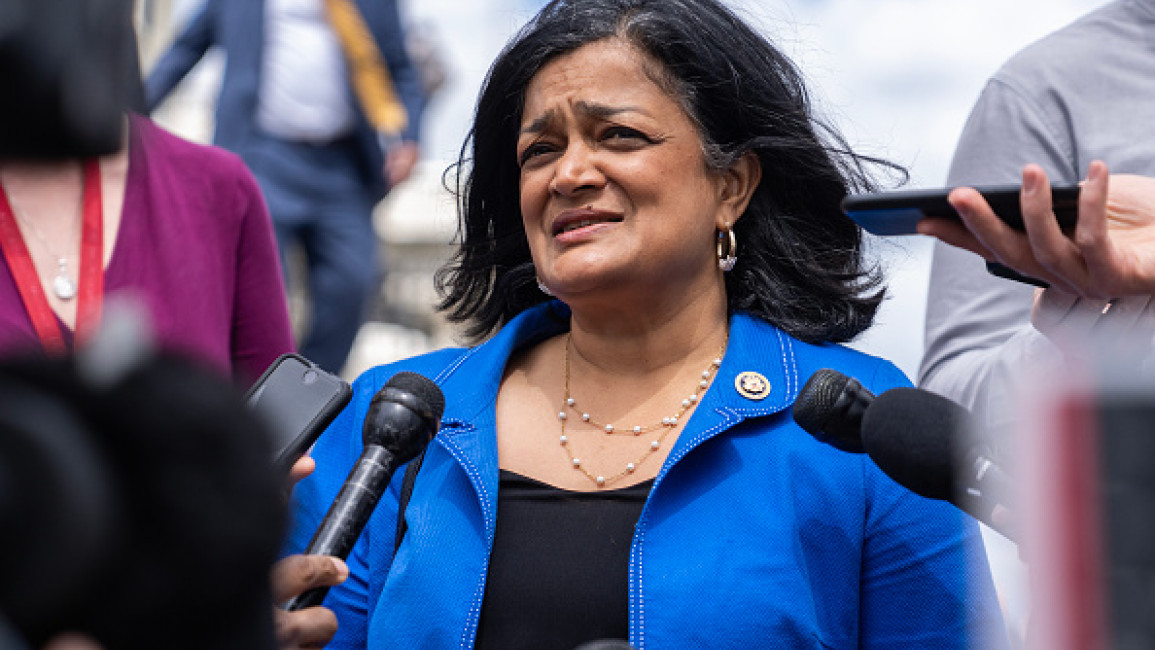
(298, 400)
(897, 213)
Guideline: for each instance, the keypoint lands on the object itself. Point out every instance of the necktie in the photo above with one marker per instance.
(368, 73)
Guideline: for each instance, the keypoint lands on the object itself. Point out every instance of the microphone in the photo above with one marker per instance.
(402, 418)
(912, 435)
(830, 408)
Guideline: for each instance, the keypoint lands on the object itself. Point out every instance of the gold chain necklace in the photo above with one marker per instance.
(664, 427)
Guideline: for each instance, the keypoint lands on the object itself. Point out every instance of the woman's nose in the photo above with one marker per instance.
(576, 170)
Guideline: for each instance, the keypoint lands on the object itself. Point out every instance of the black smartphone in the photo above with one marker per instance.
(298, 400)
(896, 213)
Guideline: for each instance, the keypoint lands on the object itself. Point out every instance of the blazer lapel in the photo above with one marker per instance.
(758, 377)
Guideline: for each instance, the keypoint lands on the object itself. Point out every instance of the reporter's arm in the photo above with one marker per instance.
(1101, 277)
(313, 627)
(978, 330)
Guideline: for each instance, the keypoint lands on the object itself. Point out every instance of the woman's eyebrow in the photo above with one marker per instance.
(603, 111)
(539, 123)
(592, 109)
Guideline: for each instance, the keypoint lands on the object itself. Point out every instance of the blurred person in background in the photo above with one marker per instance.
(1063, 110)
(1080, 95)
(181, 227)
(654, 257)
(322, 101)
(137, 498)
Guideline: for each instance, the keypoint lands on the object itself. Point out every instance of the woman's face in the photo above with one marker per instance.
(615, 193)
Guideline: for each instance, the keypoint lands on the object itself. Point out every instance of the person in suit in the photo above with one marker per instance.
(325, 133)
(653, 260)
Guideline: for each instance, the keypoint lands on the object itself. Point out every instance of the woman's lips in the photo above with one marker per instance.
(576, 222)
(583, 230)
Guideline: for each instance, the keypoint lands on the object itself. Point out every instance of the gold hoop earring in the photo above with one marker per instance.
(727, 247)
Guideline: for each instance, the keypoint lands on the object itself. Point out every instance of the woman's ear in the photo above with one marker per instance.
(737, 188)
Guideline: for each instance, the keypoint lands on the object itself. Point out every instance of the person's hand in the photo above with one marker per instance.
(400, 161)
(315, 626)
(300, 469)
(1112, 251)
(311, 627)
(1066, 318)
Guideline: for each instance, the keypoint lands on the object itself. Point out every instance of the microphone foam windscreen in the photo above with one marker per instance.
(816, 400)
(910, 434)
(421, 387)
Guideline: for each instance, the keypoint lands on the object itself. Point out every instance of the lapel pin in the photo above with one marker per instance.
(752, 385)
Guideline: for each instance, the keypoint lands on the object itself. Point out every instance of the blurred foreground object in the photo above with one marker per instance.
(1085, 447)
(141, 509)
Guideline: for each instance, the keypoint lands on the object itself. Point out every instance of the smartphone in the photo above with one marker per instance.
(896, 213)
(298, 400)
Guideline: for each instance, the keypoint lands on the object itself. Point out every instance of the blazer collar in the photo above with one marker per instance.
(758, 376)
(474, 378)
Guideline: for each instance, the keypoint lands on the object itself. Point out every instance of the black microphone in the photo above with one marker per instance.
(912, 435)
(830, 408)
(402, 419)
(916, 437)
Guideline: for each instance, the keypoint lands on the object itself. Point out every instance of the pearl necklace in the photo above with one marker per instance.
(664, 427)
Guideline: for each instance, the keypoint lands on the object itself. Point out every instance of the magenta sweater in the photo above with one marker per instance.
(196, 246)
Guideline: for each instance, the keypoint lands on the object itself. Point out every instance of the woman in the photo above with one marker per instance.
(620, 462)
(180, 227)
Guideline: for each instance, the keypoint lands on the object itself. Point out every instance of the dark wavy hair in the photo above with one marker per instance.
(800, 263)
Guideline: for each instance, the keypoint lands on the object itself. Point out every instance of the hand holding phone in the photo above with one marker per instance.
(298, 400)
(1112, 255)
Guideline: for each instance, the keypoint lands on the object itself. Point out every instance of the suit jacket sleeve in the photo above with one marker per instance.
(925, 581)
(186, 51)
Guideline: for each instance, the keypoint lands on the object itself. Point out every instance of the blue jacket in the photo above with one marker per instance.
(238, 26)
(755, 535)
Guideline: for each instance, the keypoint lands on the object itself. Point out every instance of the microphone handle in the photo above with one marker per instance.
(988, 493)
(348, 515)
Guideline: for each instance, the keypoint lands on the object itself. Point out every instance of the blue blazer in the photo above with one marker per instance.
(238, 26)
(755, 535)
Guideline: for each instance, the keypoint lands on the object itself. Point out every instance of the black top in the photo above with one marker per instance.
(558, 573)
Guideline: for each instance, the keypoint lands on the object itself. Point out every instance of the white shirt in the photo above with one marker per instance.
(304, 93)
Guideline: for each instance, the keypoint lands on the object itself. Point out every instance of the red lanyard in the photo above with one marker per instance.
(91, 290)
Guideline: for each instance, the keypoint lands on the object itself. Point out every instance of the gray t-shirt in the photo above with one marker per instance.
(1083, 93)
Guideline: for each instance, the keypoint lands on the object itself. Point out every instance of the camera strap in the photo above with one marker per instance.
(91, 280)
